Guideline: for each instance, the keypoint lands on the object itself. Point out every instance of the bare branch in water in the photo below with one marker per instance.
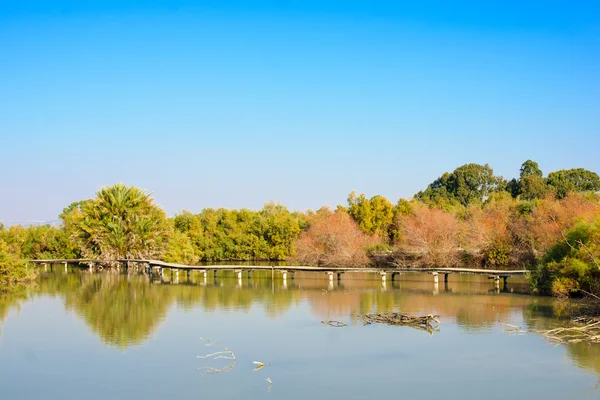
(225, 354)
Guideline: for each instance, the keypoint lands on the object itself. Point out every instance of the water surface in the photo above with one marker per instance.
(105, 335)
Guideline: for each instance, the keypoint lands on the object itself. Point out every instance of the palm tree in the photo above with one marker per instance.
(122, 222)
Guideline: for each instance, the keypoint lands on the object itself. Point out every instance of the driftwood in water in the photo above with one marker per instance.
(588, 332)
(429, 323)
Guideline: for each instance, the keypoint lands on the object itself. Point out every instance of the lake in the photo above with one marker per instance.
(105, 335)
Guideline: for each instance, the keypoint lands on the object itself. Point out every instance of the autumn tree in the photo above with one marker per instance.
(333, 239)
(430, 237)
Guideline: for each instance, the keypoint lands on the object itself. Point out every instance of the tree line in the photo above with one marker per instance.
(467, 217)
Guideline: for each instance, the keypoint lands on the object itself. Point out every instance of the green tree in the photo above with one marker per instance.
(573, 180)
(469, 183)
(122, 222)
(513, 187)
(573, 264)
(533, 187)
(530, 168)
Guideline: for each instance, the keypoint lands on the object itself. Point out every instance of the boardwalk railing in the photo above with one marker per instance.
(149, 265)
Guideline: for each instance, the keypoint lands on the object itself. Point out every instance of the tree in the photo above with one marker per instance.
(334, 239)
(467, 184)
(572, 265)
(374, 215)
(573, 180)
(513, 187)
(530, 168)
(122, 222)
(533, 187)
(429, 238)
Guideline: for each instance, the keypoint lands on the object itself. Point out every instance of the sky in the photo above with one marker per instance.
(237, 103)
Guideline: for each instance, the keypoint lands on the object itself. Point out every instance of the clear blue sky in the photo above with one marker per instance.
(235, 103)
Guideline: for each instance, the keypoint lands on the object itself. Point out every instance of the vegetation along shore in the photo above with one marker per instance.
(465, 218)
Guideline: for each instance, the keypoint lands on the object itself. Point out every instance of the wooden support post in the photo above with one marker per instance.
(45, 266)
(284, 274)
(339, 276)
(249, 274)
(66, 267)
(394, 276)
(293, 275)
(239, 273)
(188, 274)
(446, 278)
(215, 274)
(435, 277)
(497, 281)
(330, 274)
(505, 278)
(91, 267)
(383, 276)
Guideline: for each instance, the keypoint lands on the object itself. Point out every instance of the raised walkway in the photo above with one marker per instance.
(149, 266)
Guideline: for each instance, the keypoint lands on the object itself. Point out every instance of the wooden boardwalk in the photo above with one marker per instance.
(149, 266)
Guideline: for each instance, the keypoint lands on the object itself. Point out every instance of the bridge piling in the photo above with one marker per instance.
(435, 277)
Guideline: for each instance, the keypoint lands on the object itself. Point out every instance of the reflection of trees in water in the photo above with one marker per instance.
(10, 299)
(125, 309)
(121, 310)
(585, 356)
(541, 314)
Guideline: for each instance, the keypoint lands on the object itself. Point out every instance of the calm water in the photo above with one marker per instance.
(101, 336)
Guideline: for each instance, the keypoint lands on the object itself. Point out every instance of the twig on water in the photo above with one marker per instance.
(225, 354)
(259, 365)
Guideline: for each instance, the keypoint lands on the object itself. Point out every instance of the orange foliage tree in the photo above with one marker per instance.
(333, 239)
(428, 237)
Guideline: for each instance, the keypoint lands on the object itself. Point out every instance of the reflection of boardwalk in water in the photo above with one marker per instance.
(152, 266)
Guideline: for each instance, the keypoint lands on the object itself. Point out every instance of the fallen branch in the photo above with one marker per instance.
(589, 332)
(429, 323)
